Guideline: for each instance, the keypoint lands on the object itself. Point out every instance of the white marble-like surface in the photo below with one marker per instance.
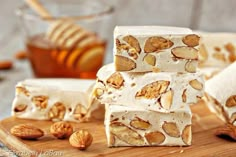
(210, 15)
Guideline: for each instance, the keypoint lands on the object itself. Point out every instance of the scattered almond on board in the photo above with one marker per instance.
(61, 130)
(26, 131)
(80, 139)
(228, 130)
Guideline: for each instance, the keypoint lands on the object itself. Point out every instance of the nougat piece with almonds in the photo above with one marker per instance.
(221, 94)
(217, 49)
(155, 48)
(164, 91)
(56, 100)
(129, 126)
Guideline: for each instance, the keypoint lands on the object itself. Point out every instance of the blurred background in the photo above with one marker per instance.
(203, 15)
(206, 15)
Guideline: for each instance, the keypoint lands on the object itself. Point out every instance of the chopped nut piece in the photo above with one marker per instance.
(40, 101)
(22, 90)
(166, 99)
(228, 130)
(187, 135)
(115, 80)
(191, 40)
(231, 101)
(171, 129)
(184, 52)
(129, 49)
(155, 44)
(26, 131)
(196, 84)
(57, 111)
(81, 139)
(133, 42)
(138, 123)
(153, 90)
(80, 112)
(20, 108)
(124, 64)
(150, 59)
(190, 67)
(126, 134)
(154, 138)
(61, 129)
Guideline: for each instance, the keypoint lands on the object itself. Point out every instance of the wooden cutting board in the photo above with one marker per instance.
(205, 143)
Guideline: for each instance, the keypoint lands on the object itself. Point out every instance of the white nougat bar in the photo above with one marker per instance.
(129, 126)
(155, 48)
(217, 49)
(221, 94)
(163, 91)
(55, 99)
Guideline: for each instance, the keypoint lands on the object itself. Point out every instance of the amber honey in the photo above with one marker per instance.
(48, 60)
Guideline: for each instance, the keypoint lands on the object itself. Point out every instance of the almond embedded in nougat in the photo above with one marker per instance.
(187, 135)
(153, 90)
(80, 112)
(138, 123)
(57, 111)
(190, 67)
(133, 42)
(185, 52)
(155, 138)
(191, 40)
(150, 59)
(124, 64)
(155, 44)
(20, 108)
(171, 129)
(231, 101)
(22, 90)
(167, 99)
(40, 102)
(116, 80)
(196, 84)
(126, 134)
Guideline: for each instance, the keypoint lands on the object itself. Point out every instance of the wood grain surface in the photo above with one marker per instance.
(205, 143)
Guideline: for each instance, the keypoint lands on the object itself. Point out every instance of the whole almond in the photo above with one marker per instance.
(21, 55)
(81, 139)
(6, 65)
(61, 129)
(26, 131)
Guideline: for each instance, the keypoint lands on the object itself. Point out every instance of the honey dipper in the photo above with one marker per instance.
(76, 46)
